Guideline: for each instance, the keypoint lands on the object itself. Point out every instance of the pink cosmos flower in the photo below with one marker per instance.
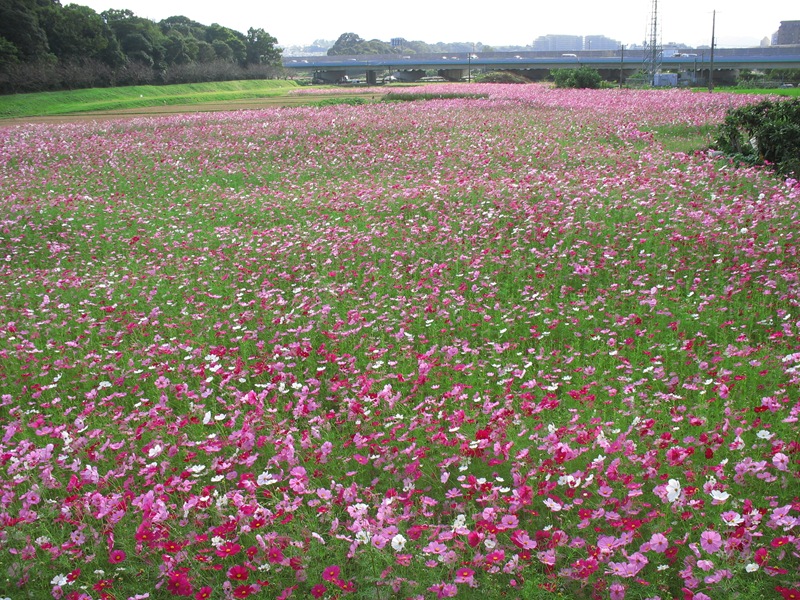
(509, 522)
(465, 575)
(658, 542)
(710, 541)
(617, 591)
(318, 591)
(435, 547)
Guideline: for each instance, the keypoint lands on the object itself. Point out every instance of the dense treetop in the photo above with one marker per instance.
(45, 38)
(354, 44)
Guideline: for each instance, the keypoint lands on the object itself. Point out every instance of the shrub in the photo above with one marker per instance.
(764, 133)
(337, 101)
(583, 77)
(502, 77)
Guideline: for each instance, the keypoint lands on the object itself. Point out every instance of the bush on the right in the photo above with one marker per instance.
(767, 133)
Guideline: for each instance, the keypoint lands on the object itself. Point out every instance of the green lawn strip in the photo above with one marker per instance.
(97, 99)
(762, 91)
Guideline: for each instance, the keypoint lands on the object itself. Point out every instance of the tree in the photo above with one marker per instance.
(261, 48)
(180, 49)
(583, 77)
(19, 24)
(347, 43)
(141, 39)
(205, 52)
(9, 55)
(79, 33)
(222, 50)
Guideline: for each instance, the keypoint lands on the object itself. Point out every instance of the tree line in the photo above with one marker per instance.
(46, 46)
(354, 44)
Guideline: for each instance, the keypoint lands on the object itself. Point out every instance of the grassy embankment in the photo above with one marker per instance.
(125, 98)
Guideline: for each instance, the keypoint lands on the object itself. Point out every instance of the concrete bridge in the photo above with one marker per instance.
(537, 65)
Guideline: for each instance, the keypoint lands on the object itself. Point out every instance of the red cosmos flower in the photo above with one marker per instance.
(238, 573)
(243, 591)
(178, 583)
(274, 555)
(779, 541)
(144, 535)
(171, 546)
(495, 557)
(331, 573)
(788, 593)
(318, 591)
(473, 538)
(116, 556)
(228, 549)
(204, 593)
(103, 584)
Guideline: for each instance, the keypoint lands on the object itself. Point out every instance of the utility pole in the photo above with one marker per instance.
(653, 51)
(621, 62)
(711, 66)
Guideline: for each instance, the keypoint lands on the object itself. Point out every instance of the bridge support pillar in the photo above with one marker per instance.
(330, 76)
(725, 76)
(372, 77)
(532, 74)
(413, 75)
(453, 74)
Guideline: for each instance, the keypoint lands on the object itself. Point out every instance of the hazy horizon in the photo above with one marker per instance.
(507, 24)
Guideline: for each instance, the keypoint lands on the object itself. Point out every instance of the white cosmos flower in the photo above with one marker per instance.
(398, 542)
(59, 580)
(718, 497)
(673, 490)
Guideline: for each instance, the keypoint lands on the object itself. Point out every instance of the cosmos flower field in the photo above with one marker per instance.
(511, 346)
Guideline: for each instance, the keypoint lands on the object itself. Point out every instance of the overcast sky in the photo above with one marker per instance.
(498, 22)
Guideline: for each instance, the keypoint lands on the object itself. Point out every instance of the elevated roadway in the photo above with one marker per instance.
(539, 64)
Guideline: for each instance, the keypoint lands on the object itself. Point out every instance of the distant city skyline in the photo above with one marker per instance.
(498, 24)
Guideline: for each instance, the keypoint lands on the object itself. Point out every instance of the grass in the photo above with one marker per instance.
(762, 91)
(121, 98)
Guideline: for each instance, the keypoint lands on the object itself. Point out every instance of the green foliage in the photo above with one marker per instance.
(44, 45)
(411, 97)
(336, 101)
(583, 77)
(352, 44)
(764, 133)
(501, 77)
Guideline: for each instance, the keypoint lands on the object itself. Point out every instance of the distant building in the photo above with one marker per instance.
(766, 43)
(398, 42)
(789, 33)
(600, 42)
(558, 43)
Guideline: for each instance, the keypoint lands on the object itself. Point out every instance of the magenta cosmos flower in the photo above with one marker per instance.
(116, 556)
